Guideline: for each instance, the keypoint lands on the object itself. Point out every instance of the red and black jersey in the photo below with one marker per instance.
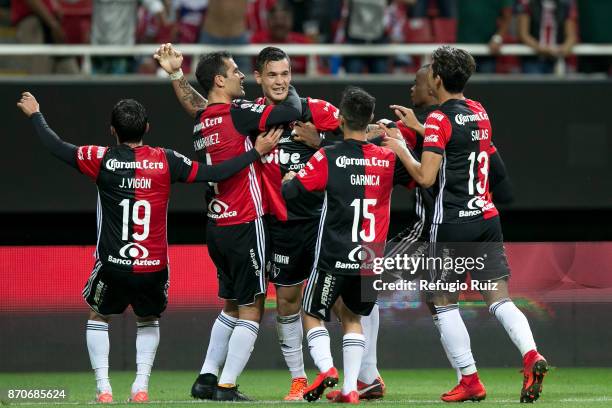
(357, 179)
(460, 131)
(223, 131)
(133, 191)
(290, 155)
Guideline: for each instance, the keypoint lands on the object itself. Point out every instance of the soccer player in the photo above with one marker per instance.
(292, 224)
(131, 266)
(356, 178)
(236, 234)
(456, 154)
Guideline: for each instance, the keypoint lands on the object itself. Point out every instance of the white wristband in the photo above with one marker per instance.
(176, 75)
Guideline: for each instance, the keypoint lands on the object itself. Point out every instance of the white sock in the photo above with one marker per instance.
(239, 350)
(98, 347)
(217, 345)
(515, 323)
(445, 347)
(353, 345)
(318, 344)
(147, 340)
(456, 336)
(369, 324)
(290, 336)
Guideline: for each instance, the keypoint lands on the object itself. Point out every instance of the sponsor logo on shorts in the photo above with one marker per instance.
(281, 259)
(217, 209)
(254, 261)
(326, 290)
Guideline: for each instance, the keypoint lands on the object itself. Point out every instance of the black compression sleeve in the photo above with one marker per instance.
(292, 189)
(64, 151)
(500, 185)
(226, 169)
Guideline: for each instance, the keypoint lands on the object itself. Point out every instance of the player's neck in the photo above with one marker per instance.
(447, 96)
(133, 144)
(218, 96)
(355, 135)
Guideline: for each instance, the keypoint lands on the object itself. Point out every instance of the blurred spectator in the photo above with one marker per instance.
(225, 24)
(280, 22)
(5, 12)
(484, 22)
(595, 28)
(549, 27)
(114, 23)
(363, 22)
(39, 22)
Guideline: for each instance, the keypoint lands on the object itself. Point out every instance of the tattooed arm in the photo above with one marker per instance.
(171, 60)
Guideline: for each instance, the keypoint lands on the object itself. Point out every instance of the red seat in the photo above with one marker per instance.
(445, 30)
(418, 30)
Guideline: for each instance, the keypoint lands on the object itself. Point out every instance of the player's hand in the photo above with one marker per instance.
(373, 131)
(266, 141)
(168, 58)
(306, 133)
(289, 176)
(407, 116)
(28, 104)
(393, 140)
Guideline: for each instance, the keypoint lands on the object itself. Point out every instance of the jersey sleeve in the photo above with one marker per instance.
(438, 131)
(314, 175)
(401, 175)
(89, 159)
(324, 114)
(182, 169)
(250, 117)
(492, 149)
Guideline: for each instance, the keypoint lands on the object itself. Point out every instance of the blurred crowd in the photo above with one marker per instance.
(550, 27)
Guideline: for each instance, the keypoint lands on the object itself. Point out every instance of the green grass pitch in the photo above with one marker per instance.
(564, 387)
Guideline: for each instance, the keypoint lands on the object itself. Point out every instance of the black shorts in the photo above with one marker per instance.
(292, 250)
(323, 289)
(474, 247)
(407, 244)
(109, 291)
(240, 253)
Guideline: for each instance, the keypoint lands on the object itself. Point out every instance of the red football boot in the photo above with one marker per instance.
(350, 398)
(376, 390)
(535, 368)
(469, 389)
(323, 381)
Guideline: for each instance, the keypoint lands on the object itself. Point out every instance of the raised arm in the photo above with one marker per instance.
(171, 60)
(64, 151)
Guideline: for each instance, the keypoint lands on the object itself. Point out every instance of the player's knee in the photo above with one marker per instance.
(287, 302)
(98, 318)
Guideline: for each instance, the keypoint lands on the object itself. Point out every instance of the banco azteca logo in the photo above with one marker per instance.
(134, 250)
(361, 253)
(217, 206)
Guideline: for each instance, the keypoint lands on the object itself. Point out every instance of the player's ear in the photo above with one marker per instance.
(257, 76)
(341, 122)
(220, 81)
(147, 129)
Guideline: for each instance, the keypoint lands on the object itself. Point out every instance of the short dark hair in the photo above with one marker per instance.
(270, 54)
(454, 66)
(209, 66)
(129, 118)
(357, 107)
